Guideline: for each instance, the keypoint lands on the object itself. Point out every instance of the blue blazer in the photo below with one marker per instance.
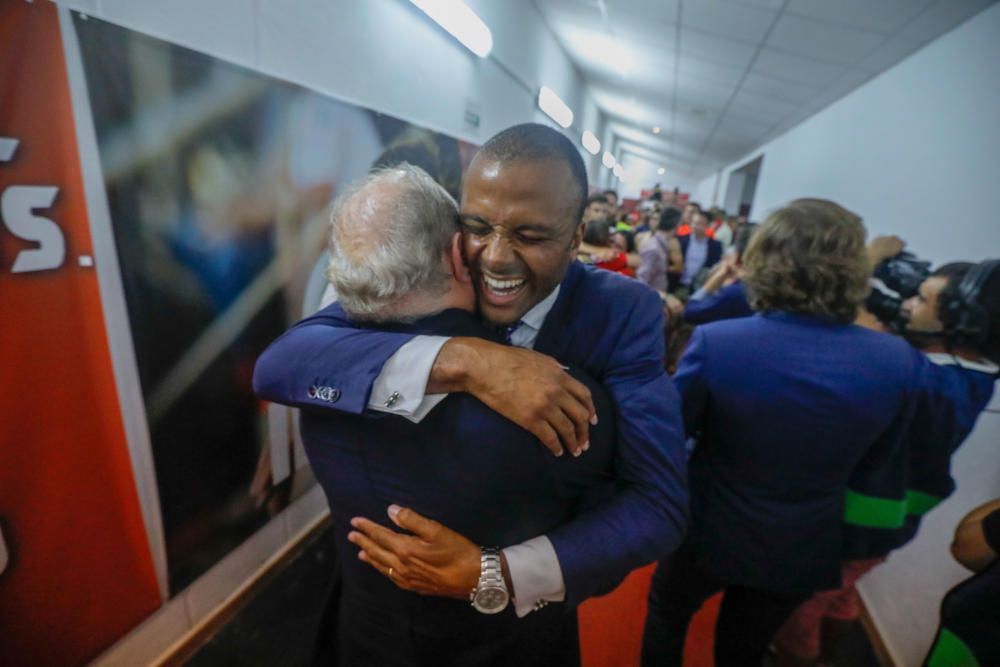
(604, 324)
(463, 465)
(714, 250)
(785, 407)
(728, 303)
(886, 503)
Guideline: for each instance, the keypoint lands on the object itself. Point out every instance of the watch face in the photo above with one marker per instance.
(491, 600)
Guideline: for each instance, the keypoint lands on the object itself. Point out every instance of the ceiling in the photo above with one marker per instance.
(720, 77)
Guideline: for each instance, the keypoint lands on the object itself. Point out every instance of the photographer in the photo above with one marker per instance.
(955, 320)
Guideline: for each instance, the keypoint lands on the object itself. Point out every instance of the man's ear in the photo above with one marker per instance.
(459, 268)
(577, 239)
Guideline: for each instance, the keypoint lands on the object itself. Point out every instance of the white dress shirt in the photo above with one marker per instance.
(694, 258)
(400, 389)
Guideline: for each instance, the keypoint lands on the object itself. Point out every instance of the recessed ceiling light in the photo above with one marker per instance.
(661, 171)
(656, 130)
(608, 160)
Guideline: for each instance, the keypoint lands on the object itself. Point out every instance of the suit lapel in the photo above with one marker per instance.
(552, 336)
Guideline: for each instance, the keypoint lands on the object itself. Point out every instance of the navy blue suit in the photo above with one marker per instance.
(714, 250)
(604, 324)
(886, 503)
(728, 303)
(784, 407)
(469, 468)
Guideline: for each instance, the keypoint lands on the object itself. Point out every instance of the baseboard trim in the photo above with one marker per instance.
(184, 648)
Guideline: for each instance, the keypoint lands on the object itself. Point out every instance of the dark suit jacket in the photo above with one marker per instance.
(602, 323)
(714, 250)
(785, 407)
(463, 465)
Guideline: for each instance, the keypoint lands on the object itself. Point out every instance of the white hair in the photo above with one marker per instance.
(389, 239)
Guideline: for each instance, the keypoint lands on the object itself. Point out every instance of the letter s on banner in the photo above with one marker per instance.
(16, 206)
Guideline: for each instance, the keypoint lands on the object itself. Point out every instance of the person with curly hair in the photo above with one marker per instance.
(784, 406)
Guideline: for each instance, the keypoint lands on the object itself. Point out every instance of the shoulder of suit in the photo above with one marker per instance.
(607, 287)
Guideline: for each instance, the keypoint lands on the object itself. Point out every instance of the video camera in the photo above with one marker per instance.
(894, 281)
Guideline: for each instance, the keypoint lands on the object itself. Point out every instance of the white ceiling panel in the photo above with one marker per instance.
(745, 23)
(715, 49)
(884, 16)
(761, 107)
(823, 41)
(891, 52)
(695, 93)
(760, 4)
(659, 10)
(779, 89)
(742, 72)
(708, 72)
(942, 16)
(742, 127)
(796, 68)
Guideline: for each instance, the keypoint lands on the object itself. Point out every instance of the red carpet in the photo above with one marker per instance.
(611, 626)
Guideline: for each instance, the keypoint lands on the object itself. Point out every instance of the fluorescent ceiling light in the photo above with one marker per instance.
(618, 171)
(608, 160)
(464, 24)
(591, 143)
(661, 171)
(656, 130)
(554, 107)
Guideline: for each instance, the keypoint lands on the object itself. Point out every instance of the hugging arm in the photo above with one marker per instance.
(359, 368)
(646, 517)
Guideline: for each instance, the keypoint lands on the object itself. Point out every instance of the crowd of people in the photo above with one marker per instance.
(796, 442)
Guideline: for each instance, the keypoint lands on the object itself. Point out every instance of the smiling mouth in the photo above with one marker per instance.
(502, 290)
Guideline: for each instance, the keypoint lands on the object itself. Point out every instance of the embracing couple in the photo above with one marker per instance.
(489, 418)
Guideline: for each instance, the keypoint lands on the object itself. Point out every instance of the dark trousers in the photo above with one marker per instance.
(748, 619)
(379, 636)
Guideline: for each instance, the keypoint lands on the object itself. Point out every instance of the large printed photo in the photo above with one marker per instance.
(218, 181)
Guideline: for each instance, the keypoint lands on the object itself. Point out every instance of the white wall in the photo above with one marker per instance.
(916, 152)
(382, 54)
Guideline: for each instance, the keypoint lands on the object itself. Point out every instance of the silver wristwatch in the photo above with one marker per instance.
(490, 595)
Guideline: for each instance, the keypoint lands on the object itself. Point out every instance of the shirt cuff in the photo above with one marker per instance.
(535, 575)
(400, 388)
(700, 294)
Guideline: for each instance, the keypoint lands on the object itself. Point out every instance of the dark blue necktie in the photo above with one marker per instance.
(508, 331)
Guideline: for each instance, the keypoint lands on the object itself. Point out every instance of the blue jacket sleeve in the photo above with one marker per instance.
(325, 361)
(692, 383)
(647, 517)
(727, 303)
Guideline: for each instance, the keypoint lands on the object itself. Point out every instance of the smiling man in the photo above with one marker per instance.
(520, 217)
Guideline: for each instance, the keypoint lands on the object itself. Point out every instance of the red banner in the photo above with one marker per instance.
(75, 568)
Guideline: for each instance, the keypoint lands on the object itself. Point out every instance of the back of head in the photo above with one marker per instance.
(598, 232)
(531, 142)
(808, 257)
(389, 239)
(669, 219)
(969, 306)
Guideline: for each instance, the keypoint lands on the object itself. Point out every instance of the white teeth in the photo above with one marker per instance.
(502, 284)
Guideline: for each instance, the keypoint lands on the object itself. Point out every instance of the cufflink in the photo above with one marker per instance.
(392, 400)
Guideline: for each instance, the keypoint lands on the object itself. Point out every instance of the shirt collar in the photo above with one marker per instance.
(945, 359)
(535, 317)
